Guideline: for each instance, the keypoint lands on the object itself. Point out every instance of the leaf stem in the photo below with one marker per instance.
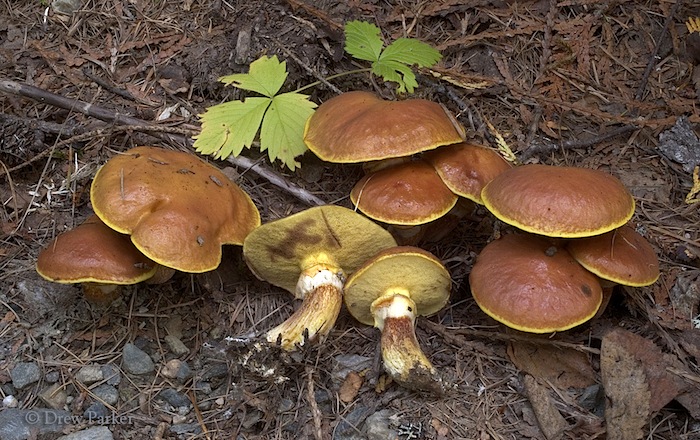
(337, 75)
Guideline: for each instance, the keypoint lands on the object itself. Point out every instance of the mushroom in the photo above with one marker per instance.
(389, 291)
(177, 209)
(97, 257)
(404, 196)
(359, 126)
(467, 168)
(556, 201)
(309, 254)
(528, 284)
(621, 256)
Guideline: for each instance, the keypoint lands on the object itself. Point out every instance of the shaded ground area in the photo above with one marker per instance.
(611, 85)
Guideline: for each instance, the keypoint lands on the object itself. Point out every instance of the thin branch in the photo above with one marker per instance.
(177, 136)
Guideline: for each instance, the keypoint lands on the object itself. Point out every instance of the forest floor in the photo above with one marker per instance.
(608, 85)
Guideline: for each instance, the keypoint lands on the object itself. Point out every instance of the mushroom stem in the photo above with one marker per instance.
(100, 294)
(322, 295)
(404, 361)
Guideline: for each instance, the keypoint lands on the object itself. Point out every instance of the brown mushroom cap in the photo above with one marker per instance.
(407, 194)
(524, 282)
(279, 251)
(466, 168)
(406, 270)
(178, 209)
(559, 201)
(359, 126)
(93, 253)
(621, 256)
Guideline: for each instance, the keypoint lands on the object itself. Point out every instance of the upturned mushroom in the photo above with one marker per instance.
(97, 257)
(310, 254)
(389, 291)
(359, 126)
(529, 284)
(178, 209)
(566, 202)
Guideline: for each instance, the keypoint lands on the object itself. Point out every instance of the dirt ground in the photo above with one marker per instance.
(609, 85)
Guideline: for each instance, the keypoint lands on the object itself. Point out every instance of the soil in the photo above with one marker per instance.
(613, 86)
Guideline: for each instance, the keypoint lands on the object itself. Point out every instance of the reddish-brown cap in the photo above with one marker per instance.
(466, 168)
(407, 194)
(92, 252)
(177, 208)
(621, 256)
(557, 201)
(359, 126)
(526, 283)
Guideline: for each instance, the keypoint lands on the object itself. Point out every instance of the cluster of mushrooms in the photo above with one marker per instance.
(153, 216)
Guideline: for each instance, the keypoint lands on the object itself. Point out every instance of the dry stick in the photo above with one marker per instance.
(158, 131)
(311, 396)
(655, 53)
(456, 335)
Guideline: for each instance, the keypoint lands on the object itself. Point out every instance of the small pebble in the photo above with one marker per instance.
(94, 433)
(177, 347)
(54, 396)
(136, 361)
(10, 401)
(106, 393)
(111, 374)
(89, 374)
(176, 369)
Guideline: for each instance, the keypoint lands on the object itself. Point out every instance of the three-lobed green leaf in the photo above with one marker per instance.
(229, 127)
(363, 41)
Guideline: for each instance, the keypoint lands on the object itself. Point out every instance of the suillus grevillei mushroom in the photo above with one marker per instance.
(97, 257)
(566, 202)
(177, 209)
(359, 126)
(389, 291)
(310, 254)
(530, 284)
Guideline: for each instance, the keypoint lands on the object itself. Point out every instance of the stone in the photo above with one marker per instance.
(96, 411)
(20, 424)
(54, 396)
(25, 374)
(95, 433)
(176, 369)
(89, 374)
(106, 394)
(176, 346)
(378, 426)
(111, 374)
(136, 361)
(175, 398)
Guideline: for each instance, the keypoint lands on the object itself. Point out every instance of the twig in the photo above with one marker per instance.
(655, 54)
(306, 67)
(437, 328)
(535, 150)
(311, 397)
(169, 134)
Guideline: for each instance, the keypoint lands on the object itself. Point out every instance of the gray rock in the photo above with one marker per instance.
(177, 347)
(680, 144)
(186, 428)
(89, 374)
(175, 398)
(52, 376)
(18, 424)
(378, 426)
(54, 396)
(106, 393)
(136, 361)
(96, 411)
(347, 427)
(345, 363)
(176, 369)
(111, 374)
(95, 433)
(25, 374)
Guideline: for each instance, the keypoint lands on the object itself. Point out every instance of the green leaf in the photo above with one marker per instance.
(398, 73)
(282, 132)
(362, 40)
(266, 76)
(229, 127)
(411, 51)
